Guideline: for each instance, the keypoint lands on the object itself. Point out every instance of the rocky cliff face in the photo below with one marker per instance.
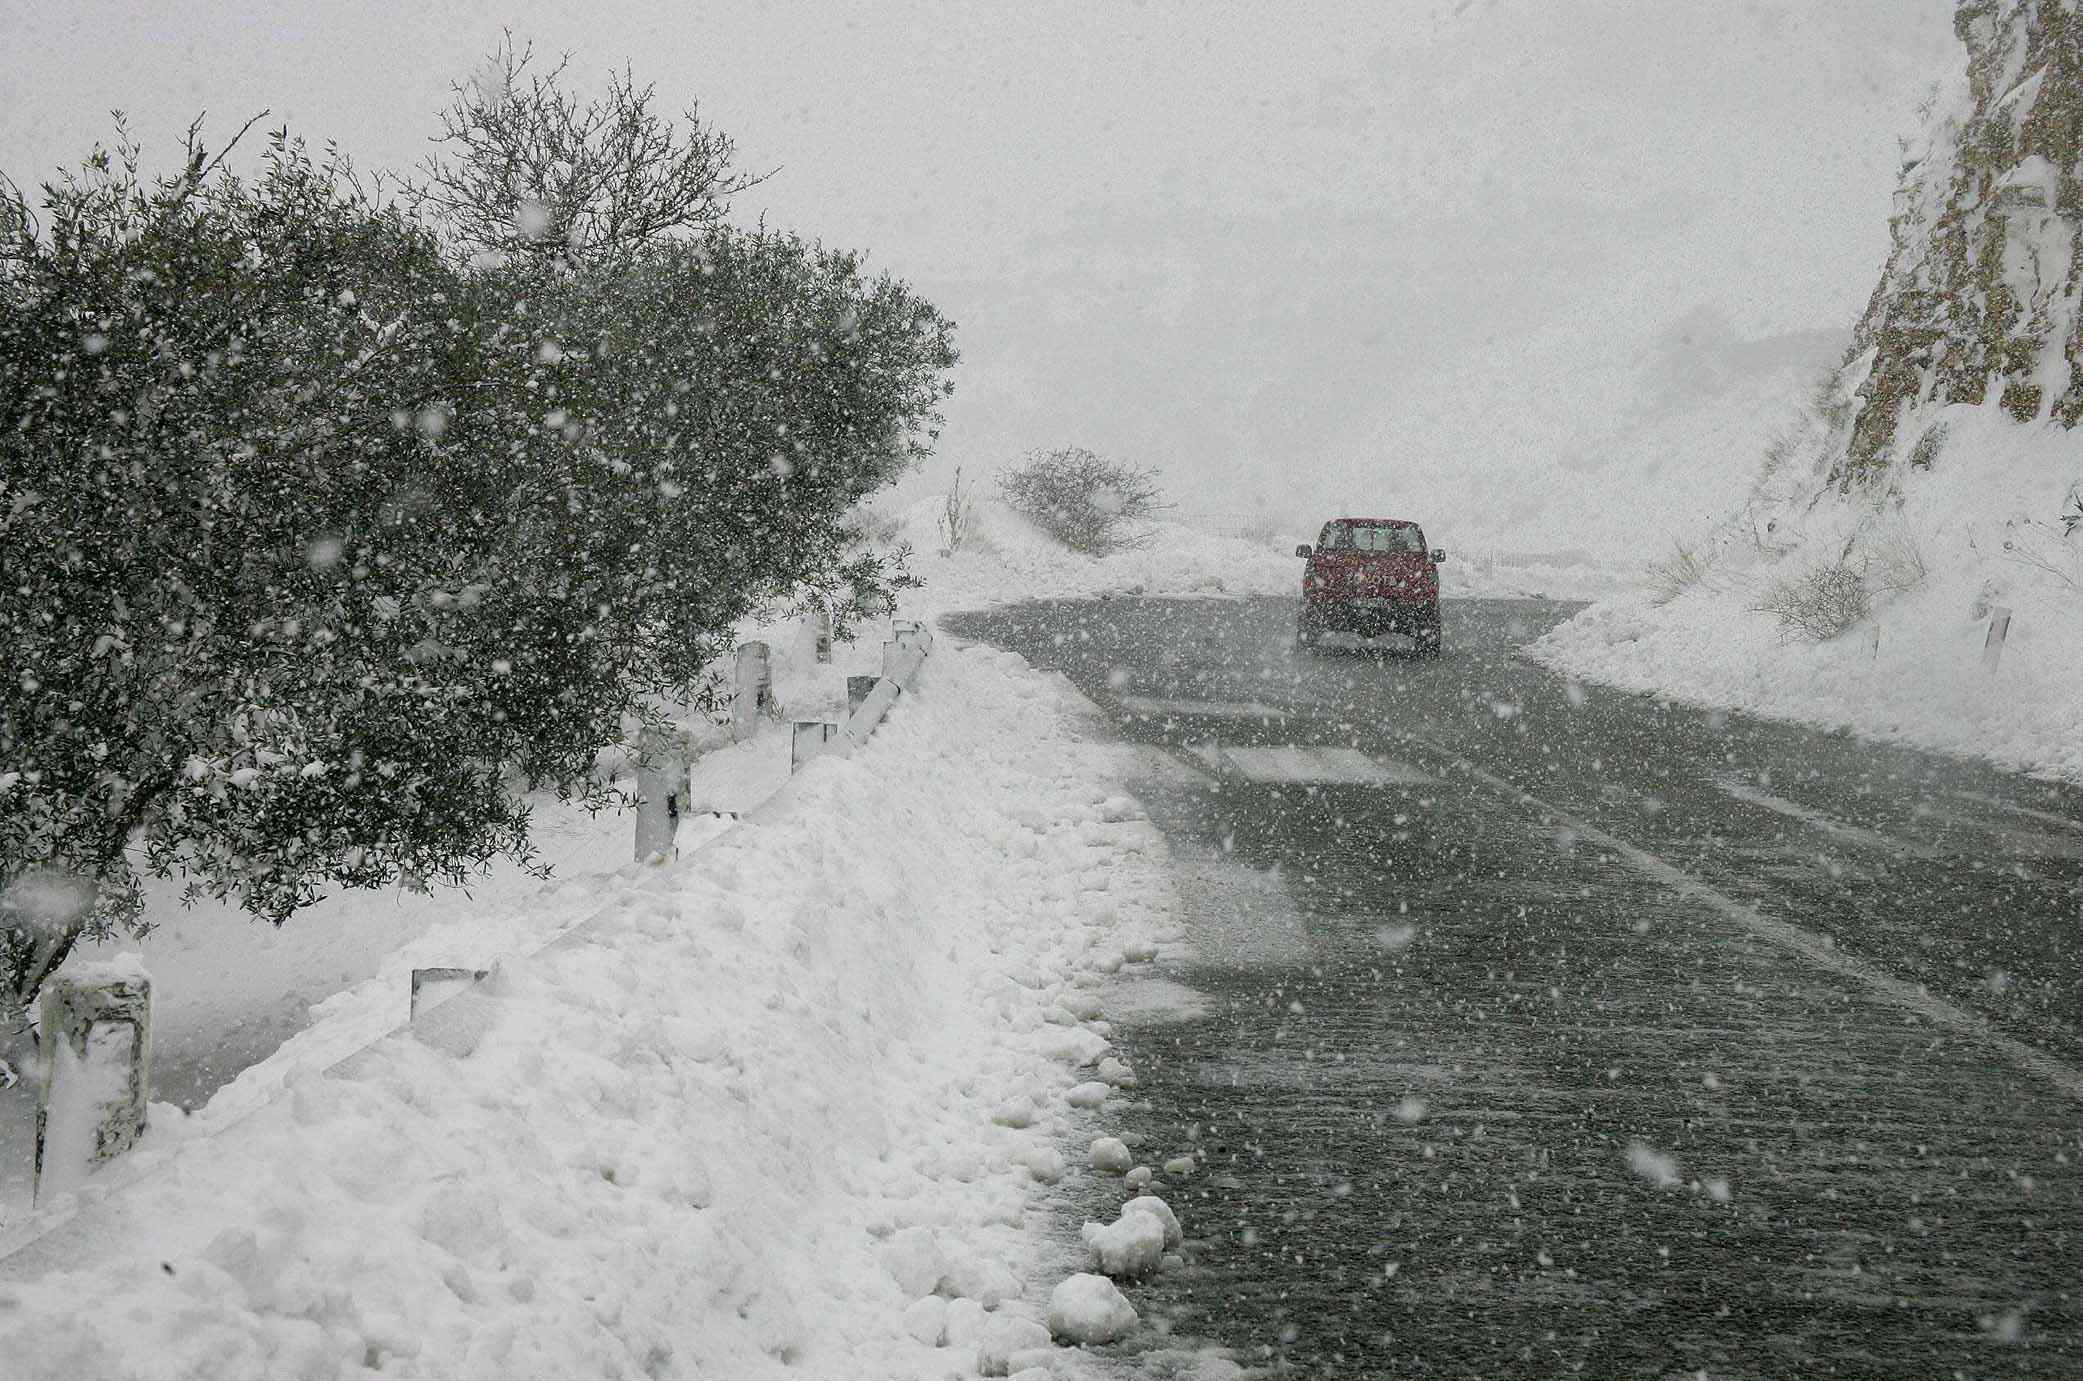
(1979, 299)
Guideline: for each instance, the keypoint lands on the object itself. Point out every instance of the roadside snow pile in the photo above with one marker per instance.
(1914, 574)
(742, 1124)
(239, 1006)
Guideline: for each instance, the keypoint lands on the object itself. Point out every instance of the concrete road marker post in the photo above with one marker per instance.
(807, 741)
(1999, 629)
(96, 1063)
(431, 987)
(661, 786)
(821, 622)
(752, 690)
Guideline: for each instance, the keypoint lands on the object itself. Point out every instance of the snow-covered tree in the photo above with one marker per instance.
(253, 528)
(319, 542)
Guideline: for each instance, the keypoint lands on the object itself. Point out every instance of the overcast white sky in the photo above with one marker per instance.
(1295, 255)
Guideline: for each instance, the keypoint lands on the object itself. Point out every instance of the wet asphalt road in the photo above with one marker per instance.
(1592, 1036)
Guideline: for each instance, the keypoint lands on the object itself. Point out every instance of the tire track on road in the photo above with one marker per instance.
(1785, 935)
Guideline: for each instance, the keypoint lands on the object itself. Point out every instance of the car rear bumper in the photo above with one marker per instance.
(1371, 617)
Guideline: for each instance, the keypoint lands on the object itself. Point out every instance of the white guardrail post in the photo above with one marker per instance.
(821, 622)
(97, 1071)
(868, 698)
(752, 690)
(96, 1051)
(431, 986)
(807, 741)
(1999, 629)
(663, 761)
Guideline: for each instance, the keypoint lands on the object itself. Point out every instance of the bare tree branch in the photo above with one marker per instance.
(526, 168)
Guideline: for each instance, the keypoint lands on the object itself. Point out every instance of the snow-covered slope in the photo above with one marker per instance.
(1930, 486)
(1981, 528)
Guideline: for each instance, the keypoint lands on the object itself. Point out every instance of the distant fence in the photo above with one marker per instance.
(97, 1062)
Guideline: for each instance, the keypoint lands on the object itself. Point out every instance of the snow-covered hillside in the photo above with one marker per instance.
(1932, 483)
(1938, 560)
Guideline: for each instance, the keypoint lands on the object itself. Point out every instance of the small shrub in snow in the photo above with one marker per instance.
(957, 517)
(1676, 573)
(1895, 561)
(2039, 547)
(2072, 512)
(1821, 604)
(1092, 505)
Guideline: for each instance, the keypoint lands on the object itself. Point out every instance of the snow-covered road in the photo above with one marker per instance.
(1588, 1034)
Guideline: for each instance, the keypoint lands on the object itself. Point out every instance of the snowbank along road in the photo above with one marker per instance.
(1548, 1030)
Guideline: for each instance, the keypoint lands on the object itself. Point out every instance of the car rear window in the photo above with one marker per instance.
(1376, 537)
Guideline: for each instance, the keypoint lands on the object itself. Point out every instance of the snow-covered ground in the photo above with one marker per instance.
(1941, 552)
(787, 1105)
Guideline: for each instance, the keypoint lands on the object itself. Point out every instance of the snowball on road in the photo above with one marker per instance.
(1129, 1247)
(1090, 1309)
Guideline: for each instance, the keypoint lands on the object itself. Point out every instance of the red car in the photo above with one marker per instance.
(1370, 576)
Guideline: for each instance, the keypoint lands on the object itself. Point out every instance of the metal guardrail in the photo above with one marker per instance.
(461, 1007)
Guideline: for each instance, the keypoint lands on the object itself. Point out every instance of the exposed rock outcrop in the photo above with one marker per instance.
(1980, 294)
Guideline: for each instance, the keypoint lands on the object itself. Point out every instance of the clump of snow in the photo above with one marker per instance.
(1016, 1112)
(1084, 1006)
(1044, 1163)
(1089, 1309)
(1090, 1094)
(1110, 1155)
(1652, 1165)
(926, 1320)
(1160, 1210)
(1129, 1247)
(1005, 1339)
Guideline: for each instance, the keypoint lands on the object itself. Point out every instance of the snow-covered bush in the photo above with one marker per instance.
(957, 517)
(317, 537)
(259, 457)
(744, 392)
(1895, 560)
(1092, 505)
(1819, 604)
(1673, 575)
